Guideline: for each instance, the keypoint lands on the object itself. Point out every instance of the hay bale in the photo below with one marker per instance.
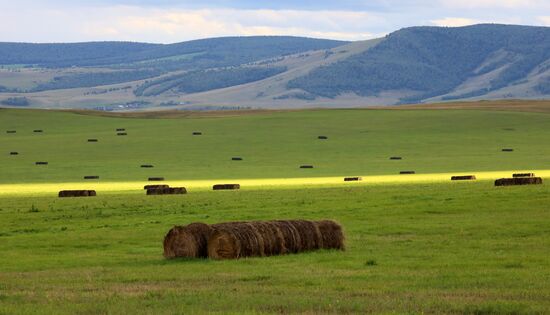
(507, 150)
(197, 133)
(396, 158)
(518, 181)
(91, 177)
(92, 140)
(352, 179)
(41, 163)
(14, 153)
(146, 166)
(322, 137)
(38, 130)
(236, 159)
(306, 166)
(463, 177)
(11, 131)
(120, 129)
(226, 186)
(155, 179)
(167, 191)
(523, 175)
(267, 238)
(407, 172)
(77, 193)
(187, 241)
(154, 186)
(332, 234)
(122, 134)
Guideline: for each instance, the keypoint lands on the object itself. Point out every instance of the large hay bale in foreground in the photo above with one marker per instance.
(266, 238)
(306, 166)
(41, 163)
(523, 175)
(155, 186)
(157, 179)
(352, 179)
(167, 191)
(463, 177)
(77, 193)
(187, 241)
(407, 172)
(226, 186)
(91, 177)
(518, 181)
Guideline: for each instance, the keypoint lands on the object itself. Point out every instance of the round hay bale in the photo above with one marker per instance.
(146, 166)
(274, 242)
(322, 137)
(508, 150)
(407, 172)
(14, 153)
(523, 175)
(236, 159)
(235, 240)
(310, 236)
(518, 181)
(353, 179)
(152, 179)
(396, 158)
(120, 129)
(226, 186)
(122, 134)
(11, 131)
(306, 166)
(41, 163)
(154, 186)
(187, 241)
(91, 177)
(197, 133)
(331, 234)
(92, 140)
(463, 177)
(291, 236)
(38, 130)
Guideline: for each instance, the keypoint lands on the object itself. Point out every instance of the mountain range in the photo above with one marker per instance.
(411, 65)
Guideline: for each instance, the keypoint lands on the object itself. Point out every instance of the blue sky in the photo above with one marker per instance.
(167, 21)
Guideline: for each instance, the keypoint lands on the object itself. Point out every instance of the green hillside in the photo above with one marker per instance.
(272, 145)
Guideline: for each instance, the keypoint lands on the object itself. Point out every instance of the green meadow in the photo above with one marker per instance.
(412, 248)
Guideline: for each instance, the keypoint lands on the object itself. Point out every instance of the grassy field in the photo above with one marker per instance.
(424, 248)
(415, 243)
(272, 145)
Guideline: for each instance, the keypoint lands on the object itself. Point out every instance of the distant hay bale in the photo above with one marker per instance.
(236, 158)
(407, 172)
(77, 193)
(38, 130)
(91, 177)
(14, 153)
(197, 133)
(155, 186)
(167, 191)
(92, 140)
(306, 166)
(120, 129)
(41, 163)
(122, 134)
(464, 177)
(147, 166)
(396, 158)
(508, 150)
(523, 175)
(518, 181)
(322, 137)
(11, 131)
(187, 241)
(226, 186)
(267, 238)
(153, 179)
(352, 179)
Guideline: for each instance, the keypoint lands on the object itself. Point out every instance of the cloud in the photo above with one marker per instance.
(494, 4)
(454, 22)
(544, 20)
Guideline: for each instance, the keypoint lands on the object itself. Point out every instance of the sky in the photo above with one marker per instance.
(170, 21)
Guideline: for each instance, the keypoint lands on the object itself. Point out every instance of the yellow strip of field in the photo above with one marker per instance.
(267, 183)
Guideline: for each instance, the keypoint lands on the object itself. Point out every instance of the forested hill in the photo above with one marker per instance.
(205, 52)
(433, 61)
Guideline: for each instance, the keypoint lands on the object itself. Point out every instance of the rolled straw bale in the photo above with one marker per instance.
(92, 140)
(234, 240)
(463, 177)
(407, 172)
(167, 191)
(396, 158)
(14, 153)
(197, 133)
(310, 236)
(120, 129)
(226, 186)
(37, 130)
(518, 181)
(507, 150)
(291, 236)
(77, 193)
(121, 134)
(236, 158)
(11, 131)
(41, 163)
(322, 137)
(352, 179)
(146, 166)
(152, 179)
(332, 234)
(306, 166)
(524, 175)
(154, 186)
(187, 241)
(91, 177)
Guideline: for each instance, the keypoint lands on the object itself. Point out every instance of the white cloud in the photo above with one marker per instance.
(454, 22)
(494, 4)
(545, 20)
